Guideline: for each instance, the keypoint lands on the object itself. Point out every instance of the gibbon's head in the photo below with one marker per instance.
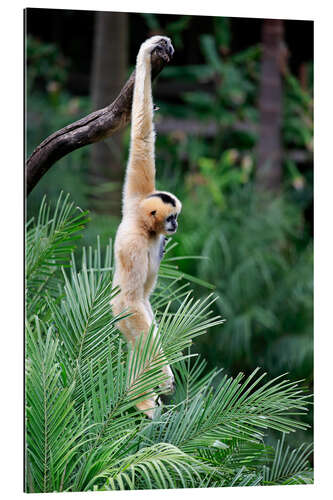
(160, 212)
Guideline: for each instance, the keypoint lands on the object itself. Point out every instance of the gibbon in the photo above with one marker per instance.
(147, 216)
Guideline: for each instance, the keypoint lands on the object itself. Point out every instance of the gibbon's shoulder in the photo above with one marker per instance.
(131, 244)
(128, 238)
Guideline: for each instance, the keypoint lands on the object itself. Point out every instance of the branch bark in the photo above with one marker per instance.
(90, 129)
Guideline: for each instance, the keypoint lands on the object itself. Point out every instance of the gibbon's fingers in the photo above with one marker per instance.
(165, 49)
(159, 44)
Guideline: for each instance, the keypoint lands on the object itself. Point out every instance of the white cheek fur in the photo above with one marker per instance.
(169, 227)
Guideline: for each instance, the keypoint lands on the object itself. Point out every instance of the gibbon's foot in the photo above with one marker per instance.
(148, 406)
(168, 386)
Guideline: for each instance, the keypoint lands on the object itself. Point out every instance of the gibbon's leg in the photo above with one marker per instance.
(150, 311)
(135, 325)
(139, 323)
(132, 261)
(132, 327)
(168, 385)
(140, 174)
(149, 405)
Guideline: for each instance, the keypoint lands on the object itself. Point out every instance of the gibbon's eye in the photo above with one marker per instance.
(153, 212)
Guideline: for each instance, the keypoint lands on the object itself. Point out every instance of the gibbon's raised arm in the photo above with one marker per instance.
(140, 175)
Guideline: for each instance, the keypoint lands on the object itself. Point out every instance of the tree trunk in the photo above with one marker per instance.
(269, 154)
(109, 68)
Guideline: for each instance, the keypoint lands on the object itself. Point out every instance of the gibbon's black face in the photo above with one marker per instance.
(171, 224)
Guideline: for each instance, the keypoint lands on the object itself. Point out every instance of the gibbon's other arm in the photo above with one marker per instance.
(140, 174)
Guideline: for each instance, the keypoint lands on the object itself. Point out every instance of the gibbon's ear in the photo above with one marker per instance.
(153, 212)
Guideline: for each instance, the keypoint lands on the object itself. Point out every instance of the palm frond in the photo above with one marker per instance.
(159, 466)
(192, 318)
(235, 408)
(96, 461)
(243, 478)
(83, 319)
(191, 379)
(53, 435)
(236, 454)
(49, 244)
(168, 270)
(289, 466)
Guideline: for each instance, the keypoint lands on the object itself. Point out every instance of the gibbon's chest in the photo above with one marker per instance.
(155, 255)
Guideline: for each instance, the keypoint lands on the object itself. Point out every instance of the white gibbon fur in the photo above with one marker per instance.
(148, 215)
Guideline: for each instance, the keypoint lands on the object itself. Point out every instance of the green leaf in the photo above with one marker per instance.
(49, 244)
(289, 466)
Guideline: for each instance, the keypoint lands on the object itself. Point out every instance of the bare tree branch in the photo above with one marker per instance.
(92, 128)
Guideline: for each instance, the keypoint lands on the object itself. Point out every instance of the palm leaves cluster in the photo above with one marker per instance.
(83, 431)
